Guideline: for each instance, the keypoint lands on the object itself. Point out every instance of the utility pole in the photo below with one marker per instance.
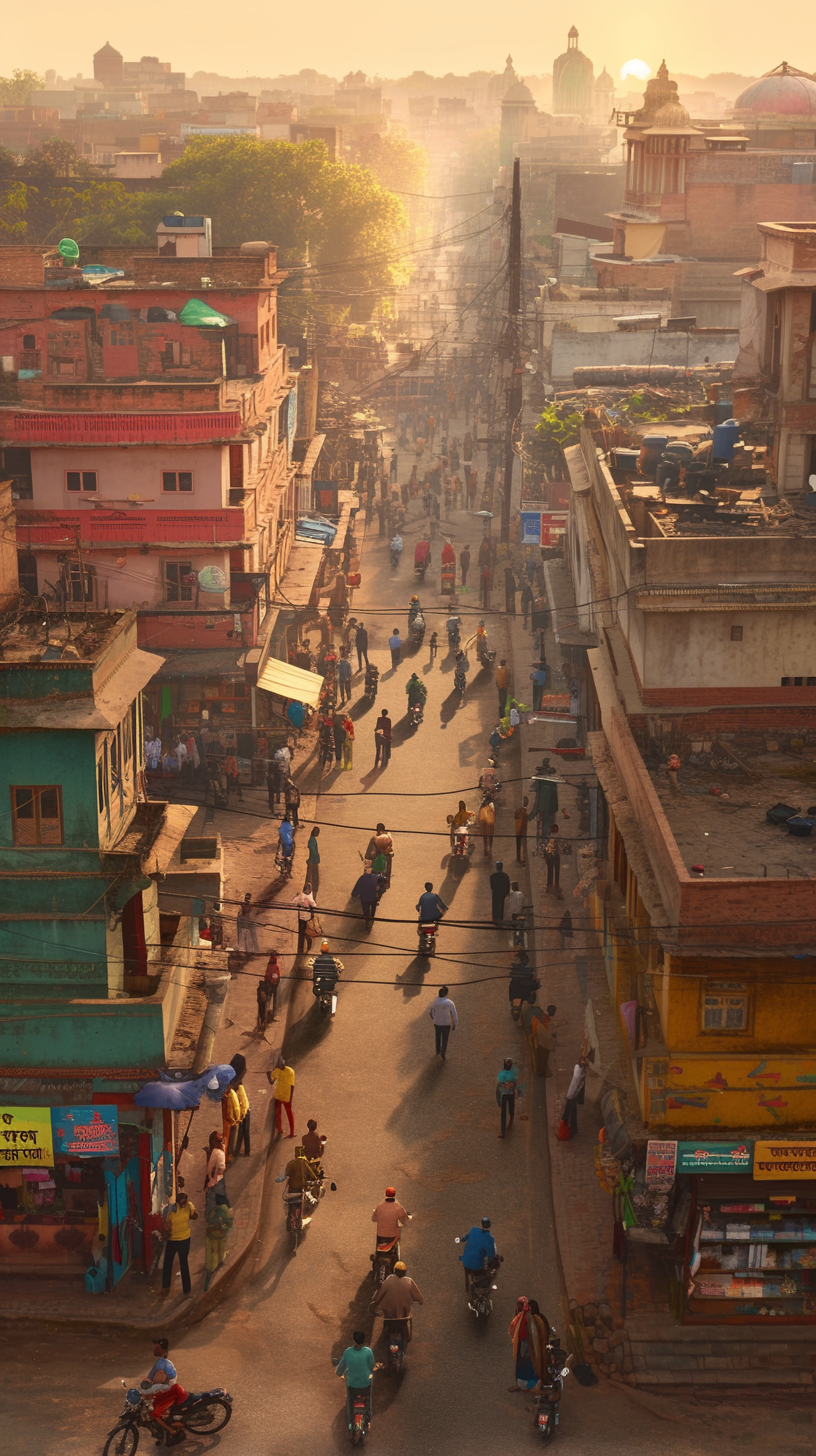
(511, 353)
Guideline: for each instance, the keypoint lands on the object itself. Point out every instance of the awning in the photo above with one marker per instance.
(204, 662)
(290, 682)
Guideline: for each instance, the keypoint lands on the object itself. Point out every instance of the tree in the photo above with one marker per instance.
(16, 89)
(396, 162)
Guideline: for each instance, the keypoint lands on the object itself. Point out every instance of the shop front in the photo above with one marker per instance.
(80, 1188)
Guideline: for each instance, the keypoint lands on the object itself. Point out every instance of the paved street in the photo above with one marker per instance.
(393, 1113)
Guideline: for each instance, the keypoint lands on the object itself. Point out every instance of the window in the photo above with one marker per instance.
(179, 579)
(81, 585)
(27, 572)
(736, 634)
(29, 341)
(36, 813)
(178, 480)
(725, 1007)
(80, 480)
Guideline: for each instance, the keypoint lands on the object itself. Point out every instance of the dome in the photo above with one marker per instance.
(672, 114)
(604, 81)
(782, 92)
(519, 92)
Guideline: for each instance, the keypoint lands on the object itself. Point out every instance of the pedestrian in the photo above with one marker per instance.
(219, 1220)
(485, 586)
(348, 744)
(464, 565)
(394, 465)
(272, 977)
(351, 637)
(433, 646)
(527, 600)
(362, 646)
(233, 776)
(575, 1097)
(230, 1116)
(487, 824)
(537, 1029)
(499, 890)
(282, 1079)
(445, 1020)
(247, 934)
(313, 861)
(552, 855)
(241, 1140)
(513, 904)
(538, 677)
(380, 509)
(383, 736)
(367, 891)
(529, 1334)
(306, 909)
(565, 929)
(344, 678)
(521, 831)
(273, 785)
(291, 798)
(263, 995)
(216, 1165)
(395, 643)
(509, 591)
(502, 684)
(339, 734)
(177, 1231)
(507, 1089)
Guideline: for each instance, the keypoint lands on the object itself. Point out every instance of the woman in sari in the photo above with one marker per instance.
(528, 1333)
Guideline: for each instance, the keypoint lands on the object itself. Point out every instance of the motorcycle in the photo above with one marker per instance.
(427, 938)
(207, 1411)
(545, 1409)
(462, 847)
(481, 1287)
(416, 631)
(519, 927)
(460, 684)
(284, 861)
(301, 1205)
(359, 1412)
(395, 1334)
(485, 654)
(416, 712)
(452, 627)
(326, 971)
(520, 988)
(396, 552)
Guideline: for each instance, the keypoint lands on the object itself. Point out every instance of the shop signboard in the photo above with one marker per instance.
(661, 1161)
(25, 1137)
(85, 1132)
(542, 527)
(714, 1157)
(785, 1160)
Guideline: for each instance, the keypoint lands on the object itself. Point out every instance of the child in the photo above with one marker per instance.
(433, 645)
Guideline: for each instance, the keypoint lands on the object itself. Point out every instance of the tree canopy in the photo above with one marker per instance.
(16, 88)
(396, 162)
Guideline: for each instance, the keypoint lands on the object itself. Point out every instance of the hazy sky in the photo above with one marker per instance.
(255, 37)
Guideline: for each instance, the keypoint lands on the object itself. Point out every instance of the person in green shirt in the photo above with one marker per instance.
(357, 1364)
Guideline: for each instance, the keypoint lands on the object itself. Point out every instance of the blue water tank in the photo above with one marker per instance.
(725, 438)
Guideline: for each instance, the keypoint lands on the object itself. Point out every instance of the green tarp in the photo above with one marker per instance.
(200, 316)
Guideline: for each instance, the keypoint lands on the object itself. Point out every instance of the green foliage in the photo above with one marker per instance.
(639, 407)
(62, 194)
(397, 163)
(559, 426)
(16, 88)
(13, 207)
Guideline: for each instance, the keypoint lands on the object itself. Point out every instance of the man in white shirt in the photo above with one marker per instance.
(513, 903)
(443, 1015)
(306, 907)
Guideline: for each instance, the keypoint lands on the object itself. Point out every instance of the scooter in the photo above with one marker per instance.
(462, 848)
(416, 712)
(481, 1287)
(301, 1205)
(427, 938)
(326, 971)
(371, 680)
(545, 1409)
(360, 1411)
(453, 632)
(519, 926)
(395, 557)
(416, 631)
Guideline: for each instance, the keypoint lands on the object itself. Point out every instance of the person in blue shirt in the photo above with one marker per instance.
(430, 906)
(357, 1364)
(286, 837)
(480, 1249)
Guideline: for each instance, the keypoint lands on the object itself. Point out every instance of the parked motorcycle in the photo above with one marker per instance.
(452, 627)
(207, 1411)
(545, 1410)
(520, 927)
(427, 939)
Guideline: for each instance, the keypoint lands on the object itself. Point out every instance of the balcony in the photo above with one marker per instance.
(74, 428)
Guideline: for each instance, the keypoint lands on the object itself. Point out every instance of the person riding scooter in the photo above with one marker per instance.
(326, 970)
(523, 979)
(396, 549)
(480, 1251)
(414, 610)
(452, 627)
(396, 1296)
(429, 905)
(417, 693)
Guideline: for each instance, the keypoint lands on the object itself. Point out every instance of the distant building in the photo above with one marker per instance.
(573, 80)
(109, 65)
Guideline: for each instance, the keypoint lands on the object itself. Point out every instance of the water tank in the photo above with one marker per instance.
(725, 438)
(651, 449)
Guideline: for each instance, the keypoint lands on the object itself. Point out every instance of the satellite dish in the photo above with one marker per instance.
(212, 579)
(68, 250)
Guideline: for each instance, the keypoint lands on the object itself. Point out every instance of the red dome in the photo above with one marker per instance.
(780, 93)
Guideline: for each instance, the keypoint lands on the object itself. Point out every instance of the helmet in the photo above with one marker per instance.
(481, 621)
(414, 599)
(400, 1268)
(485, 1223)
(390, 1192)
(325, 945)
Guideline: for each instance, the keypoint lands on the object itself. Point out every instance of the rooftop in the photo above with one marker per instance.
(41, 637)
(728, 832)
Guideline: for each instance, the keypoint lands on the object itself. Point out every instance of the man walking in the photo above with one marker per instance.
(362, 646)
(393, 465)
(344, 678)
(499, 890)
(464, 565)
(509, 591)
(306, 909)
(395, 643)
(313, 861)
(487, 825)
(527, 600)
(552, 856)
(443, 1015)
(502, 683)
(367, 891)
(521, 831)
(383, 734)
(282, 1078)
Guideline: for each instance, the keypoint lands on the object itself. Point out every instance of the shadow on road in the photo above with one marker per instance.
(412, 979)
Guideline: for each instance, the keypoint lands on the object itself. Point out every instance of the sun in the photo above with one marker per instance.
(641, 70)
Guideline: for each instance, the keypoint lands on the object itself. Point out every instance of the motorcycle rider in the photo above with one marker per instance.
(414, 610)
(396, 545)
(430, 906)
(300, 1176)
(417, 692)
(452, 627)
(372, 674)
(522, 977)
(326, 970)
(389, 1216)
(397, 1294)
(162, 1384)
(357, 1364)
(459, 820)
(313, 1143)
(460, 672)
(480, 1250)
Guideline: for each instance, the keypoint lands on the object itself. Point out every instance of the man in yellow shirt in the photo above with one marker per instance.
(282, 1078)
(177, 1228)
